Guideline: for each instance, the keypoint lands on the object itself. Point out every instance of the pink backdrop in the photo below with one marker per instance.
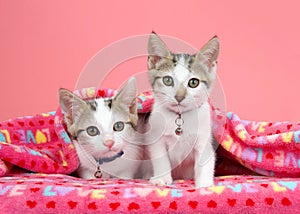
(44, 45)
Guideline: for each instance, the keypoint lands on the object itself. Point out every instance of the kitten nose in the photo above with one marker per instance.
(179, 98)
(109, 143)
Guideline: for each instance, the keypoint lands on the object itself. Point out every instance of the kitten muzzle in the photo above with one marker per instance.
(109, 159)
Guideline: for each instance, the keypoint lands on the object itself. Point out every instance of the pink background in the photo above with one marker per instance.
(44, 45)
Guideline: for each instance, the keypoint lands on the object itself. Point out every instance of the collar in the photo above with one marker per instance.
(105, 160)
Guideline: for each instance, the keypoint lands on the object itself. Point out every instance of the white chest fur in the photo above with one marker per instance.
(183, 152)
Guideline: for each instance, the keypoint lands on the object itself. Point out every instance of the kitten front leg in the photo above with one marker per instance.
(204, 167)
(85, 173)
(161, 164)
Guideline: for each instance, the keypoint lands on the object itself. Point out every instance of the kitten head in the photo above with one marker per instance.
(181, 81)
(101, 125)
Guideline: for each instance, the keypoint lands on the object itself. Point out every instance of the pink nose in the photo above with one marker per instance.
(109, 143)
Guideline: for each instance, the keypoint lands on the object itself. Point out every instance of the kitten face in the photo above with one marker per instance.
(101, 126)
(181, 81)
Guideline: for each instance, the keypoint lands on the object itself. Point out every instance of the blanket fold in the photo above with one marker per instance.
(267, 148)
(41, 143)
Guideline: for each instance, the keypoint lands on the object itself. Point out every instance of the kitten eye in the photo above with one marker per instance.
(193, 83)
(168, 81)
(92, 131)
(118, 126)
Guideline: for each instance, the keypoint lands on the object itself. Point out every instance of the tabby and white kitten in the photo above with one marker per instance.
(181, 84)
(102, 130)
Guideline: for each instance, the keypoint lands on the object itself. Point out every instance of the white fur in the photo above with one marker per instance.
(190, 155)
(92, 148)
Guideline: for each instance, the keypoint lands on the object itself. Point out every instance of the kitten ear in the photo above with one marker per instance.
(156, 50)
(127, 98)
(71, 106)
(210, 51)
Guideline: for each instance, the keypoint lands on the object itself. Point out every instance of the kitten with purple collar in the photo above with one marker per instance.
(104, 132)
(181, 85)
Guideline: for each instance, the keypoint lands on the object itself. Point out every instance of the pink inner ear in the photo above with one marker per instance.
(154, 59)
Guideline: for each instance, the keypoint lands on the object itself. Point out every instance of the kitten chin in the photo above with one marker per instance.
(106, 154)
(181, 84)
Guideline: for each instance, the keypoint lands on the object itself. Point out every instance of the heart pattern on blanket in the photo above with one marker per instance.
(31, 204)
(114, 206)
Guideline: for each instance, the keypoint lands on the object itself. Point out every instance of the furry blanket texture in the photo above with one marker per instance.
(258, 170)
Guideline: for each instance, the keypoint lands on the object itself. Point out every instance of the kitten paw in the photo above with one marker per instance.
(204, 184)
(161, 180)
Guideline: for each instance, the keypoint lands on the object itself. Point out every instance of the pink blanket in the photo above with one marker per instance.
(271, 149)
(41, 144)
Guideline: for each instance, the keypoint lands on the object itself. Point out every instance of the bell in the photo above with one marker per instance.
(178, 131)
(98, 174)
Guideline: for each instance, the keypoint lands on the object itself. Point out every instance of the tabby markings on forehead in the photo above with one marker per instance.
(93, 104)
(108, 103)
(184, 59)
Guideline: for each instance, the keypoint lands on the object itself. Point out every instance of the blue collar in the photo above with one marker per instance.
(105, 160)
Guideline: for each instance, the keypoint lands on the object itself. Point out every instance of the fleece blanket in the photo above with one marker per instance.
(57, 193)
(40, 144)
(266, 148)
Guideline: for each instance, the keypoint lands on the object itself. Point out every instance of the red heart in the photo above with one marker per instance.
(21, 163)
(45, 166)
(31, 204)
(39, 182)
(51, 122)
(21, 123)
(114, 206)
(72, 204)
(115, 192)
(155, 204)
(100, 93)
(51, 204)
(193, 204)
(34, 190)
(31, 123)
(289, 126)
(286, 202)
(41, 122)
(133, 206)
(265, 185)
(250, 202)
(10, 125)
(55, 166)
(191, 190)
(15, 137)
(231, 202)
(278, 131)
(269, 156)
(33, 163)
(92, 206)
(270, 124)
(269, 201)
(173, 205)
(212, 204)
(226, 126)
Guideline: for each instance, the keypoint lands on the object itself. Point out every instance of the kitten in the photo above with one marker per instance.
(182, 144)
(102, 130)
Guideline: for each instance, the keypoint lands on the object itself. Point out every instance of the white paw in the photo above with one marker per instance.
(162, 180)
(201, 184)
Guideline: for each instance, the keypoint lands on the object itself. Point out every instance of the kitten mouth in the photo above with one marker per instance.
(178, 106)
(109, 158)
(109, 153)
